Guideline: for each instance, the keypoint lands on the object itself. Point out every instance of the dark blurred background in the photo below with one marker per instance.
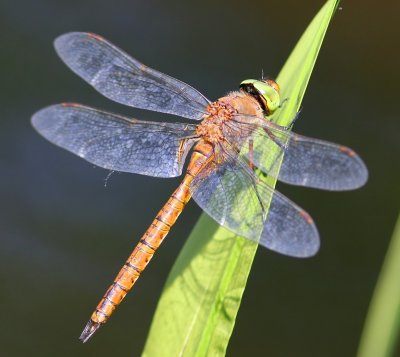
(64, 235)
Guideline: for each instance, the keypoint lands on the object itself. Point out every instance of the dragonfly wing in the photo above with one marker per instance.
(321, 164)
(237, 200)
(289, 229)
(306, 161)
(115, 142)
(125, 80)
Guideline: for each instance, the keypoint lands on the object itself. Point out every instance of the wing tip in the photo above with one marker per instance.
(356, 178)
(61, 39)
(363, 173)
(303, 242)
(313, 243)
(359, 171)
(61, 42)
(37, 117)
(44, 116)
(310, 252)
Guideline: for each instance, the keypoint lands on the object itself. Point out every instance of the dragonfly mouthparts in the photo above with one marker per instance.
(90, 328)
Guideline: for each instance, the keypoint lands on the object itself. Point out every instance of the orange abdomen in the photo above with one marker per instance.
(149, 243)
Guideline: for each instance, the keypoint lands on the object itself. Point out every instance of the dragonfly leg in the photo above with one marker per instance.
(275, 139)
(251, 154)
(288, 127)
(294, 119)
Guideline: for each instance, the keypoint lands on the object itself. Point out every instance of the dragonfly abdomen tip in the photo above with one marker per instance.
(90, 328)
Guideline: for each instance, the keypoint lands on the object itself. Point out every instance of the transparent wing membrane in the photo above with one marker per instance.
(289, 229)
(320, 164)
(228, 196)
(306, 161)
(125, 80)
(237, 200)
(115, 142)
(227, 189)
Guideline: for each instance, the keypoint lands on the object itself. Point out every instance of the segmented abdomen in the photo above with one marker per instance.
(151, 240)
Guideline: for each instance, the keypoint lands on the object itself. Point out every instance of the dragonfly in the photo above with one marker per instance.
(228, 143)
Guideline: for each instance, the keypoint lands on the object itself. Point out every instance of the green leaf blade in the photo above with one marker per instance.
(197, 310)
(296, 72)
(382, 324)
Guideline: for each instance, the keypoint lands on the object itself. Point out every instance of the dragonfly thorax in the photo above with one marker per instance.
(223, 123)
(212, 127)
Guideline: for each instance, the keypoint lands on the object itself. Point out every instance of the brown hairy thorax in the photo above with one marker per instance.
(212, 128)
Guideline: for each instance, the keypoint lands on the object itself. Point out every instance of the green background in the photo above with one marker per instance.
(63, 235)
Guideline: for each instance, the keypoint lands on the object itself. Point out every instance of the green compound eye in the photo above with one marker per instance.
(265, 91)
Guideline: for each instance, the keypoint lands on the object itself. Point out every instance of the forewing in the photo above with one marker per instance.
(115, 142)
(239, 201)
(125, 80)
(321, 164)
(306, 161)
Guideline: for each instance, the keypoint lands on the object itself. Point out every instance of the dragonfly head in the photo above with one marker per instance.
(265, 91)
